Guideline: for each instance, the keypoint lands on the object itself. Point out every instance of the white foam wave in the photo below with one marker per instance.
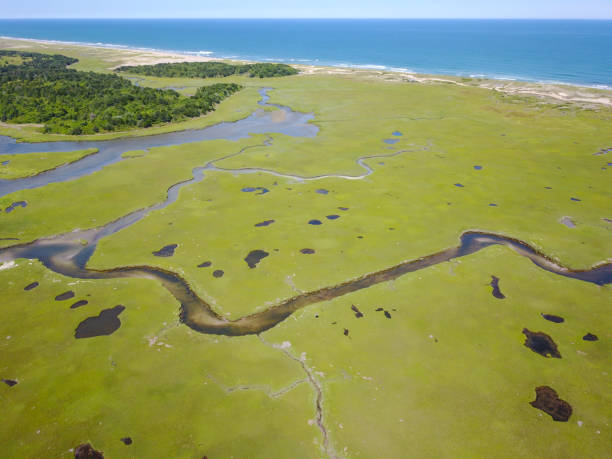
(317, 61)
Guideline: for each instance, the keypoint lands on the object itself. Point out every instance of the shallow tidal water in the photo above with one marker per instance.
(110, 151)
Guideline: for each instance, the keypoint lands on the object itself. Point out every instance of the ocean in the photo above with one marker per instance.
(576, 52)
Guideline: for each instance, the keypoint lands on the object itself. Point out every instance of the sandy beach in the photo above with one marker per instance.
(586, 96)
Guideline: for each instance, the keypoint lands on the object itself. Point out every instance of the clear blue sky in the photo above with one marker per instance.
(566, 9)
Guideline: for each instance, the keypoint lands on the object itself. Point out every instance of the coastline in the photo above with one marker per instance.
(141, 56)
(113, 56)
(148, 56)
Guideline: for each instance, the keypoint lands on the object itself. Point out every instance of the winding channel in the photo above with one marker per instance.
(67, 254)
(283, 121)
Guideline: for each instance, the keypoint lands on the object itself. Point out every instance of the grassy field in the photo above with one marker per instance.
(435, 367)
(18, 166)
(141, 180)
(10, 60)
(138, 382)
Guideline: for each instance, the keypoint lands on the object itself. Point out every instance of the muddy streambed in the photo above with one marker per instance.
(66, 255)
(110, 151)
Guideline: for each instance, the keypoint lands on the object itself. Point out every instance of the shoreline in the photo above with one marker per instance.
(166, 56)
(162, 55)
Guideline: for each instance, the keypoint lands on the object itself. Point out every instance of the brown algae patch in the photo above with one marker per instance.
(127, 441)
(307, 251)
(357, 312)
(541, 343)
(548, 401)
(105, 323)
(218, 273)
(9, 382)
(590, 337)
(86, 451)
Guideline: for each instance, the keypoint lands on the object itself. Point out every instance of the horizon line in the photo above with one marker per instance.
(323, 18)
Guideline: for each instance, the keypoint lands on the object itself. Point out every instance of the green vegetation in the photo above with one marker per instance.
(10, 60)
(20, 64)
(429, 378)
(447, 364)
(137, 382)
(17, 166)
(233, 108)
(209, 70)
(139, 181)
(41, 90)
(448, 375)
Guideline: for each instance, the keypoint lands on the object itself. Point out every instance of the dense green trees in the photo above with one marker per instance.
(210, 70)
(40, 89)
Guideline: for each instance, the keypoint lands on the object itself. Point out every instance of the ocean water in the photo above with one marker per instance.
(576, 52)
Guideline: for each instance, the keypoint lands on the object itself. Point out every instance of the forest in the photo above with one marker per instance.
(39, 88)
(210, 70)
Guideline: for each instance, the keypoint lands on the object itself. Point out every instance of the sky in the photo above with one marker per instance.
(557, 9)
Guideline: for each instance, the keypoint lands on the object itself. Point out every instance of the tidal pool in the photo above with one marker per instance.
(264, 223)
(105, 323)
(553, 318)
(14, 205)
(254, 257)
(31, 286)
(65, 296)
(166, 251)
(78, 304)
(496, 291)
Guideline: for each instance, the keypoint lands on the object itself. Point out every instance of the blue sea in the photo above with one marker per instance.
(576, 52)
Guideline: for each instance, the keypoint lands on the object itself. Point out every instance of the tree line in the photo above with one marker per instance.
(210, 70)
(41, 89)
